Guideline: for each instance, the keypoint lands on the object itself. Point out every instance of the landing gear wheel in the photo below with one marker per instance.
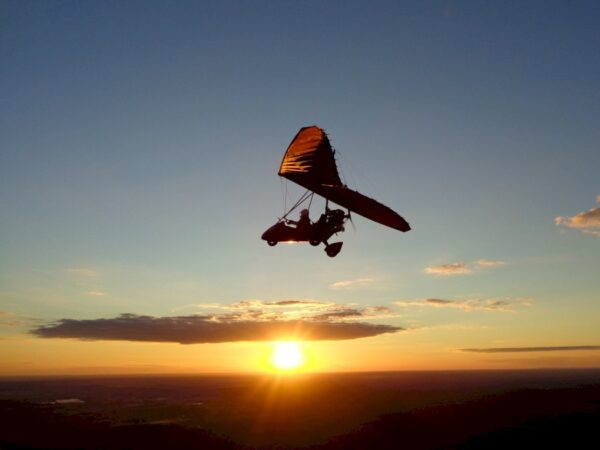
(314, 242)
(272, 243)
(333, 249)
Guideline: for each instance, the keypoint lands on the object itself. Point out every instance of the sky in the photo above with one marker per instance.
(139, 149)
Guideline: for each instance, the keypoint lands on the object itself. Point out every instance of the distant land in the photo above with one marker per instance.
(385, 410)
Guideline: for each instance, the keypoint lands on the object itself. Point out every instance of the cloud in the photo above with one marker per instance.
(304, 304)
(449, 269)
(440, 302)
(352, 284)
(488, 263)
(378, 311)
(10, 319)
(531, 349)
(96, 293)
(196, 329)
(247, 320)
(288, 308)
(471, 304)
(344, 313)
(587, 222)
(294, 310)
(340, 315)
(198, 306)
(463, 268)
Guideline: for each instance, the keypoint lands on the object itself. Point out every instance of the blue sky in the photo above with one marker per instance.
(140, 141)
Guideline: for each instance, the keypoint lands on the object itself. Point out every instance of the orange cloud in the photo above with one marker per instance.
(303, 304)
(587, 222)
(352, 284)
(463, 268)
(294, 310)
(449, 269)
(472, 304)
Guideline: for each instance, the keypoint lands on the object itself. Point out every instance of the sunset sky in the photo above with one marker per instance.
(139, 149)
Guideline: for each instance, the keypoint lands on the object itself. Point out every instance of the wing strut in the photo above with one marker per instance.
(307, 194)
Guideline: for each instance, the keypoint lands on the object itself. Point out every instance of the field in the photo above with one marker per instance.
(416, 410)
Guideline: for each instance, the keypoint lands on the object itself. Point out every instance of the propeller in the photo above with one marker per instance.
(351, 221)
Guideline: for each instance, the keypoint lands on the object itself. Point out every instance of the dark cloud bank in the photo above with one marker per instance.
(198, 329)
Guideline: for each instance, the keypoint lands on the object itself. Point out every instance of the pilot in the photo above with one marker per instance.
(303, 224)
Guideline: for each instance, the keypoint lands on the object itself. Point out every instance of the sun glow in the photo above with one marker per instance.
(287, 356)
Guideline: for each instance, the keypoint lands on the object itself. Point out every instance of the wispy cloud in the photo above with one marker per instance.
(279, 304)
(470, 304)
(289, 308)
(352, 284)
(532, 349)
(449, 269)
(295, 310)
(488, 263)
(463, 268)
(587, 222)
(342, 313)
(10, 319)
(198, 329)
(96, 293)
(196, 306)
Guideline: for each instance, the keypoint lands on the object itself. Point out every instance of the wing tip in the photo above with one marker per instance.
(402, 225)
(405, 228)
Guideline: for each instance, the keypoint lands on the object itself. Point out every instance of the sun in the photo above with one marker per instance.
(287, 356)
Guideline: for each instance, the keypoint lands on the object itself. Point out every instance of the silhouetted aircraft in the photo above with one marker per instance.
(310, 162)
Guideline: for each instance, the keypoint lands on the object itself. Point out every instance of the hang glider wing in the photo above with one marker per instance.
(309, 161)
(363, 205)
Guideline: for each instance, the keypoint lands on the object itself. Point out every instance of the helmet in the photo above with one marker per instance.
(304, 212)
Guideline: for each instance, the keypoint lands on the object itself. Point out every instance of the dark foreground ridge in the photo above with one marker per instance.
(465, 410)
